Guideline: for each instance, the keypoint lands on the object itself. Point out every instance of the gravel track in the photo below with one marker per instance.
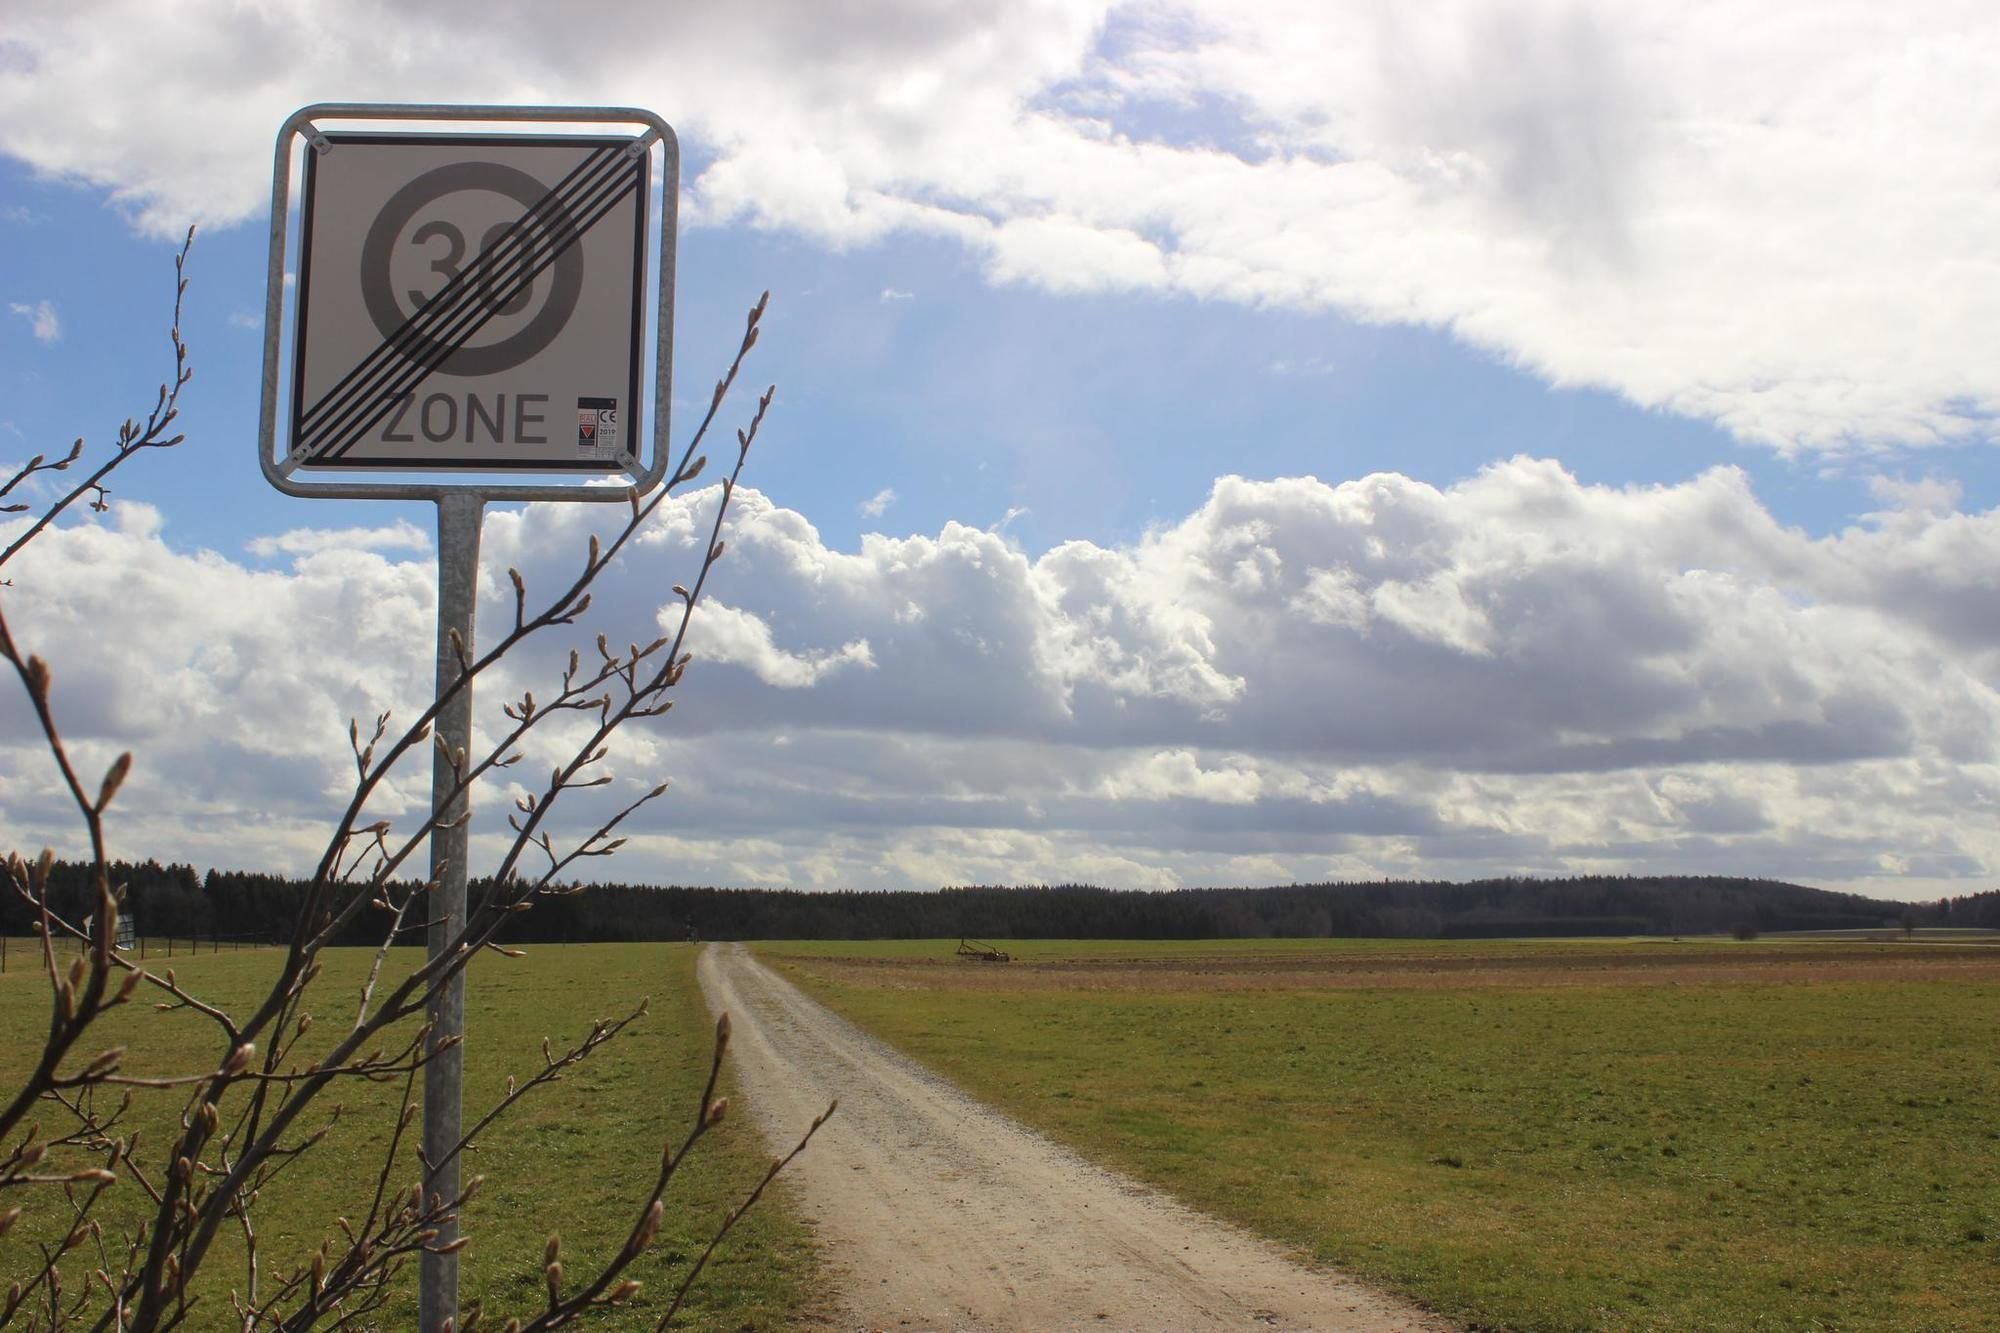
(940, 1213)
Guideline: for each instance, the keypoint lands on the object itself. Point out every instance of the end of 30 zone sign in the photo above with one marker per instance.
(477, 301)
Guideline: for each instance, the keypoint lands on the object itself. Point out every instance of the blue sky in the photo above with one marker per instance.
(1605, 388)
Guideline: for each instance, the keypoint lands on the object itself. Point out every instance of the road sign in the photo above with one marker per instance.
(471, 301)
(466, 304)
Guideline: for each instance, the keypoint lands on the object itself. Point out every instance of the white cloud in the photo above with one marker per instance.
(737, 637)
(894, 295)
(399, 536)
(1310, 366)
(1783, 221)
(1924, 496)
(240, 712)
(877, 504)
(41, 317)
(1008, 519)
(1178, 775)
(1295, 681)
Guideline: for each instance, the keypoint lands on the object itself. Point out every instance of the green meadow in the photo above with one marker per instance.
(577, 1158)
(1542, 1135)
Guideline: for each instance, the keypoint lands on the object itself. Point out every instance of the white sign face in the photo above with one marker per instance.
(470, 302)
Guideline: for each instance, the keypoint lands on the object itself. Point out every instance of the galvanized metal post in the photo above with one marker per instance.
(459, 516)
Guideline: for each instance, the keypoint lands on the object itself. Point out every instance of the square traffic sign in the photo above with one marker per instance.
(470, 302)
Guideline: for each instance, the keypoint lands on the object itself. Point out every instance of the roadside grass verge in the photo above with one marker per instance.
(1557, 1155)
(576, 1158)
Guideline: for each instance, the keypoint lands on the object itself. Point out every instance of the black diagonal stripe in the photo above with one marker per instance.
(438, 309)
(401, 376)
(458, 312)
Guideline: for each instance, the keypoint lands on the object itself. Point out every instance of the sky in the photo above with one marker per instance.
(1214, 443)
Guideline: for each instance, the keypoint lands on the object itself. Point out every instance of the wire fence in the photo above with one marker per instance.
(20, 952)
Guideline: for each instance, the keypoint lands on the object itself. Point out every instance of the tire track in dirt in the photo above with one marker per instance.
(939, 1213)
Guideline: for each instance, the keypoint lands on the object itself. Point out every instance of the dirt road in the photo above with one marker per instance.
(939, 1213)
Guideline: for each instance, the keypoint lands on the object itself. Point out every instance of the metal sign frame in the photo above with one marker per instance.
(306, 125)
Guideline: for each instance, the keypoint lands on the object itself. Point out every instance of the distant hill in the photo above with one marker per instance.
(179, 900)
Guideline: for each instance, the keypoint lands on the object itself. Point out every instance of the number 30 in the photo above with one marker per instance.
(489, 285)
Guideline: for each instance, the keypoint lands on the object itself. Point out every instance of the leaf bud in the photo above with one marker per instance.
(114, 779)
(649, 1227)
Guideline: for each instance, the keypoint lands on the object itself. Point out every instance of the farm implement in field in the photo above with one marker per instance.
(975, 952)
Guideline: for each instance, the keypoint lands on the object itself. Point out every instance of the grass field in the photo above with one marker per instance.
(578, 1159)
(1539, 1135)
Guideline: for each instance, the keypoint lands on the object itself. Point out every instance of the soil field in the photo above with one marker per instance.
(1544, 1135)
(1444, 965)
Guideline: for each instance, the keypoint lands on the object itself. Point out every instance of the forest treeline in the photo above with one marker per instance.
(178, 900)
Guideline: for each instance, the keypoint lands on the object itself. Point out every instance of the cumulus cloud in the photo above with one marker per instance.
(42, 319)
(741, 639)
(877, 504)
(1672, 202)
(399, 536)
(233, 685)
(1297, 680)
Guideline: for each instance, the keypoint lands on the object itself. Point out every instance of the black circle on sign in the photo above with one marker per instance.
(378, 290)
